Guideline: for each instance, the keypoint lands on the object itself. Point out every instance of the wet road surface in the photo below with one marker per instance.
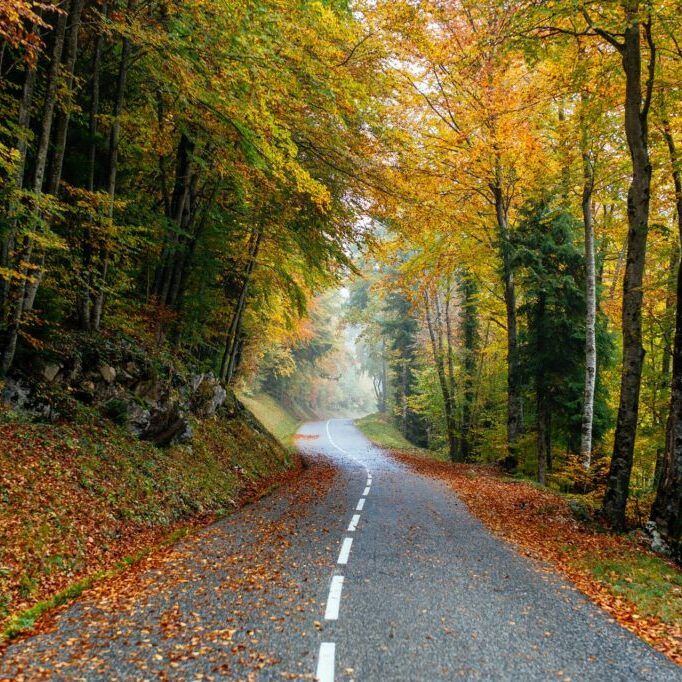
(359, 570)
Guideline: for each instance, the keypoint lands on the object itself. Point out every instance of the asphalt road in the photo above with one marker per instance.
(360, 570)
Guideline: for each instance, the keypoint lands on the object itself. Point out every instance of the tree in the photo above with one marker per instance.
(552, 270)
(637, 105)
(666, 511)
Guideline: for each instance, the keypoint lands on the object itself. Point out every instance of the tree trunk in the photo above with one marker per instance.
(667, 508)
(543, 436)
(384, 378)
(636, 115)
(542, 399)
(670, 298)
(28, 272)
(59, 145)
(514, 404)
(112, 170)
(179, 198)
(591, 304)
(227, 364)
(470, 330)
(435, 334)
(94, 102)
(23, 121)
(50, 100)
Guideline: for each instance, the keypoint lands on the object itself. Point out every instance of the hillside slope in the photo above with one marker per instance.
(277, 419)
(85, 488)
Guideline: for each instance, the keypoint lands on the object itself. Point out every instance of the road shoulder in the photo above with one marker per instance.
(542, 526)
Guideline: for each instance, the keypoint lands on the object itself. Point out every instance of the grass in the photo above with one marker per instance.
(381, 431)
(281, 423)
(650, 583)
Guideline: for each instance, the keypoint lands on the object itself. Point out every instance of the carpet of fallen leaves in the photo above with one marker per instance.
(540, 523)
(227, 590)
(77, 499)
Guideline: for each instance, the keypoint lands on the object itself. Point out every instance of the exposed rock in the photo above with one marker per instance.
(108, 373)
(658, 544)
(579, 510)
(152, 401)
(148, 389)
(132, 368)
(16, 394)
(167, 424)
(50, 371)
(206, 395)
(138, 419)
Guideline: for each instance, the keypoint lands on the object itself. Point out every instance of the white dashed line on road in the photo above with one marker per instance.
(345, 551)
(326, 657)
(345, 452)
(325, 662)
(334, 598)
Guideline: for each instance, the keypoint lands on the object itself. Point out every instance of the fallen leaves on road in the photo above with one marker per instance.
(193, 610)
(78, 500)
(543, 527)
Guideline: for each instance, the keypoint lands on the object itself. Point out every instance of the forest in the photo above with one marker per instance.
(496, 185)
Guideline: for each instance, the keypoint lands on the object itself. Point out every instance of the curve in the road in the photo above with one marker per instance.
(412, 588)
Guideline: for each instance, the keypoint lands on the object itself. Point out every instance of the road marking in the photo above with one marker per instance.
(353, 523)
(345, 452)
(334, 598)
(366, 491)
(325, 662)
(361, 504)
(345, 551)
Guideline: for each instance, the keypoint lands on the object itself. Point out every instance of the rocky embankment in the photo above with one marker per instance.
(151, 398)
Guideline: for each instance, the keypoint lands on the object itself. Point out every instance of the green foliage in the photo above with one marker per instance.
(552, 348)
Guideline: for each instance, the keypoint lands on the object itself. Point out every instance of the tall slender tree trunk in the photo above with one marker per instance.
(514, 403)
(28, 270)
(542, 399)
(543, 436)
(590, 300)
(470, 333)
(23, 121)
(62, 128)
(384, 378)
(227, 364)
(85, 299)
(59, 142)
(636, 120)
(666, 511)
(670, 302)
(94, 102)
(112, 171)
(177, 207)
(435, 334)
